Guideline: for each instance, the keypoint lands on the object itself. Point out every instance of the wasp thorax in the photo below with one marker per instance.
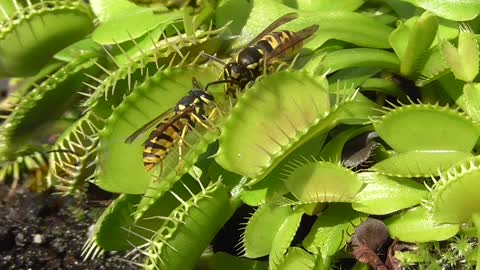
(202, 96)
(238, 73)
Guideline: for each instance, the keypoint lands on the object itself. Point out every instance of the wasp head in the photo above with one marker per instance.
(238, 74)
(202, 96)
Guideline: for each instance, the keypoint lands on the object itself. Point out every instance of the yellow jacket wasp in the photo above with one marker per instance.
(172, 126)
(261, 52)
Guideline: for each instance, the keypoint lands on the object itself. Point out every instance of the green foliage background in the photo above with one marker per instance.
(400, 75)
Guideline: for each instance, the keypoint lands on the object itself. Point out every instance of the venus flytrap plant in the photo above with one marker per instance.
(463, 61)
(32, 31)
(282, 146)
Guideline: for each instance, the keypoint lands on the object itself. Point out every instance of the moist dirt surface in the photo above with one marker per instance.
(40, 231)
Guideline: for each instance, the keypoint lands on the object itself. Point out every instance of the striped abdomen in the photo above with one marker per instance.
(278, 43)
(160, 143)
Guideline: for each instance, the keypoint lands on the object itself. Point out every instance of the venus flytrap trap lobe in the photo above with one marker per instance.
(140, 107)
(19, 46)
(43, 105)
(464, 61)
(422, 151)
(283, 238)
(110, 92)
(167, 224)
(178, 245)
(251, 156)
(319, 181)
(383, 195)
(32, 166)
(133, 233)
(444, 204)
(324, 239)
(72, 168)
(165, 52)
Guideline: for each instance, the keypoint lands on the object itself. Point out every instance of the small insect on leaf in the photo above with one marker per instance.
(172, 126)
(262, 54)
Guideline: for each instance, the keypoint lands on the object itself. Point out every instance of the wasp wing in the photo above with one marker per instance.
(166, 116)
(284, 48)
(280, 21)
(174, 118)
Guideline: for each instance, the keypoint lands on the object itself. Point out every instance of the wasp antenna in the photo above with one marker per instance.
(218, 82)
(213, 58)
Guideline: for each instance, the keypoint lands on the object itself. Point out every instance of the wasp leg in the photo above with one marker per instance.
(265, 68)
(213, 112)
(180, 147)
(161, 168)
(202, 123)
(277, 65)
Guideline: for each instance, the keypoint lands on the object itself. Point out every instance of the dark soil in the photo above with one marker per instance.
(39, 231)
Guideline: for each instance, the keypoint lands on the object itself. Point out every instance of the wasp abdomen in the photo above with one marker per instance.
(279, 41)
(159, 145)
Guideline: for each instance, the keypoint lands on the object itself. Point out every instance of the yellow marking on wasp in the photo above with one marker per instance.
(235, 75)
(284, 36)
(273, 42)
(180, 148)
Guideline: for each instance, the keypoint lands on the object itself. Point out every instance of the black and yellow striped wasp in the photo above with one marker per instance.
(173, 125)
(262, 53)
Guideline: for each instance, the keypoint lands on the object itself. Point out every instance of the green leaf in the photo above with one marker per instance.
(424, 163)
(115, 217)
(358, 57)
(454, 197)
(428, 63)
(188, 230)
(430, 127)
(456, 10)
(222, 261)
(133, 24)
(327, 5)
(29, 124)
(329, 232)
(468, 52)
(332, 151)
(384, 195)
(385, 86)
(470, 100)
(323, 182)
(272, 186)
(421, 37)
(250, 19)
(35, 34)
(78, 49)
(283, 238)
(464, 63)
(268, 119)
(297, 259)
(118, 220)
(416, 225)
(107, 10)
(262, 228)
